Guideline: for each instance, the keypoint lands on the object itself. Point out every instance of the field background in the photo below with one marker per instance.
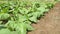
(50, 23)
(28, 0)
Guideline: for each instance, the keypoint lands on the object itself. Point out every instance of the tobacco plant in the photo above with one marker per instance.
(16, 17)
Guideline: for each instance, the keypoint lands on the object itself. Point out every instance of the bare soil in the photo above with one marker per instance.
(50, 23)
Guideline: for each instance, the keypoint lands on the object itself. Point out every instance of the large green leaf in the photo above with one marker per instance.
(4, 16)
(21, 28)
(7, 31)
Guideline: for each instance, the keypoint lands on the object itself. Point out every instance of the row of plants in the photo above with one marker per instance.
(16, 17)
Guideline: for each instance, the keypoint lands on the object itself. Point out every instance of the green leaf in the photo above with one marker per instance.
(24, 11)
(29, 27)
(10, 24)
(41, 9)
(21, 28)
(28, 22)
(7, 31)
(34, 19)
(4, 16)
(22, 18)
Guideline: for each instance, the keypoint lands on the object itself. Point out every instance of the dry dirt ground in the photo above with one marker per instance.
(50, 23)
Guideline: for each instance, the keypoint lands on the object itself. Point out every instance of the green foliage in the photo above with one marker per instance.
(4, 16)
(16, 17)
(6, 31)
